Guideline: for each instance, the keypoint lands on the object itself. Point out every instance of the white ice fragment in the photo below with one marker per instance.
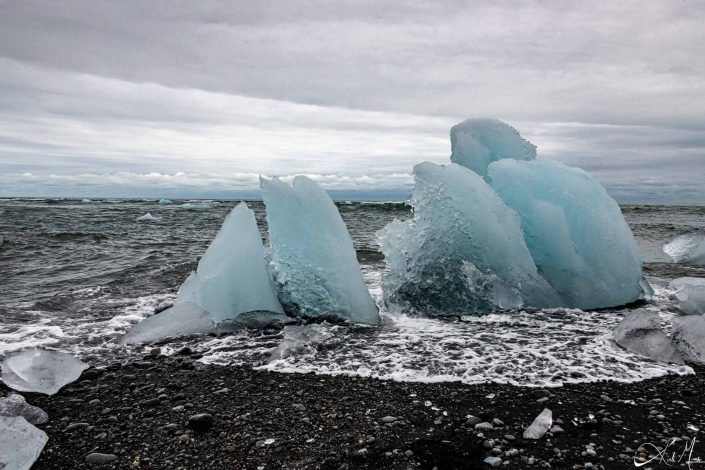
(690, 295)
(146, 218)
(165, 202)
(640, 332)
(475, 143)
(15, 405)
(687, 249)
(540, 426)
(462, 253)
(688, 337)
(299, 337)
(196, 206)
(313, 258)
(20, 443)
(574, 230)
(232, 276)
(41, 371)
(180, 320)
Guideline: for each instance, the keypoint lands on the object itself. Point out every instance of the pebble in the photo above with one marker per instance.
(299, 406)
(493, 461)
(73, 426)
(472, 421)
(485, 426)
(98, 458)
(388, 419)
(201, 422)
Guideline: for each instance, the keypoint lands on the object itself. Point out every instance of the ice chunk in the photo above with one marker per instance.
(640, 332)
(687, 249)
(462, 253)
(165, 202)
(15, 405)
(475, 143)
(299, 337)
(41, 371)
(20, 443)
(196, 206)
(688, 337)
(690, 295)
(540, 426)
(180, 320)
(232, 276)
(146, 218)
(313, 257)
(574, 230)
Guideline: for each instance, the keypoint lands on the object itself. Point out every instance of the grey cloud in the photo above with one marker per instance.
(348, 89)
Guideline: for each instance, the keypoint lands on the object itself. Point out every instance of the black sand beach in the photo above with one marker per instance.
(139, 413)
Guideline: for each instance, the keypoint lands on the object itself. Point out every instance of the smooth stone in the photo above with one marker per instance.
(493, 461)
(201, 422)
(97, 458)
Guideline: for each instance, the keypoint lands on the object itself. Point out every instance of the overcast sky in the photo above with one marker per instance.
(129, 98)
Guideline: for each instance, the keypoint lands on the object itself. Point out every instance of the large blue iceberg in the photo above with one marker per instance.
(499, 230)
(231, 287)
(313, 258)
(575, 232)
(463, 252)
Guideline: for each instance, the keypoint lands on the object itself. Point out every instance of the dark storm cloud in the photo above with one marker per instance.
(346, 89)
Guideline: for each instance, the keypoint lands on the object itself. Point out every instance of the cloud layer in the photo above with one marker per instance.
(134, 98)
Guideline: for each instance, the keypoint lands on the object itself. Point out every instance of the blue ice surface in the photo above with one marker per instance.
(575, 232)
(232, 277)
(475, 143)
(313, 258)
(462, 253)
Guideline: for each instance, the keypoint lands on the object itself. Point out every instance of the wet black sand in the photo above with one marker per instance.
(261, 420)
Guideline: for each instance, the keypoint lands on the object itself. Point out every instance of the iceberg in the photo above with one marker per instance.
(688, 337)
(462, 253)
(165, 202)
(20, 443)
(574, 230)
(475, 143)
(313, 258)
(41, 371)
(640, 332)
(146, 218)
(689, 294)
(231, 287)
(687, 249)
(15, 405)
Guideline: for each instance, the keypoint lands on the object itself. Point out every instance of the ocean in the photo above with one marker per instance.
(75, 275)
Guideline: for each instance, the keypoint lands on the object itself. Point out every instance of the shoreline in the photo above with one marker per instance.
(139, 412)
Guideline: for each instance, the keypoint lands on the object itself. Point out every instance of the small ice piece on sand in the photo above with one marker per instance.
(690, 294)
(180, 320)
(15, 405)
(687, 249)
(20, 443)
(689, 337)
(146, 218)
(540, 426)
(313, 257)
(41, 371)
(475, 143)
(165, 202)
(640, 332)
